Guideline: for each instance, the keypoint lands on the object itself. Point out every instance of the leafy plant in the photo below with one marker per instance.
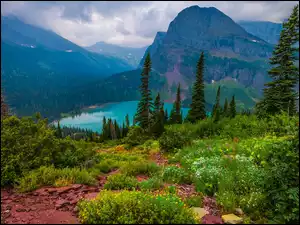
(120, 181)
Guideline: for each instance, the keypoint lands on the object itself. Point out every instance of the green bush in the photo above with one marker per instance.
(171, 140)
(45, 176)
(194, 201)
(26, 145)
(107, 166)
(138, 168)
(121, 181)
(173, 174)
(133, 207)
(153, 183)
(136, 136)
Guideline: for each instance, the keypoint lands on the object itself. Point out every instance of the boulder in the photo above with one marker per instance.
(200, 212)
(238, 212)
(232, 219)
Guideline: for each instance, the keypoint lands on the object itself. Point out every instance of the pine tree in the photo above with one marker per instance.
(104, 129)
(225, 110)
(197, 109)
(145, 106)
(58, 131)
(166, 117)
(127, 121)
(232, 108)
(217, 107)
(157, 103)
(117, 129)
(279, 94)
(175, 117)
(123, 132)
(4, 107)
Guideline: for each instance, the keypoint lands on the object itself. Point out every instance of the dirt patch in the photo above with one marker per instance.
(141, 178)
(159, 159)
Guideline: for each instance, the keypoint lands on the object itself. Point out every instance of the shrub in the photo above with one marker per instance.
(120, 181)
(153, 183)
(107, 166)
(194, 201)
(45, 176)
(135, 136)
(141, 167)
(176, 175)
(172, 140)
(133, 207)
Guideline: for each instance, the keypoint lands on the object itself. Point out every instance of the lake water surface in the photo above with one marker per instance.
(92, 118)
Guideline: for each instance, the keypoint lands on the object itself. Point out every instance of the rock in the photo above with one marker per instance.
(61, 203)
(238, 212)
(21, 210)
(6, 214)
(200, 212)
(51, 190)
(76, 186)
(8, 207)
(210, 219)
(73, 202)
(231, 219)
(75, 210)
(63, 189)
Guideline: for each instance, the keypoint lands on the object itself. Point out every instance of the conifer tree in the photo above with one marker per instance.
(279, 94)
(145, 106)
(117, 129)
(157, 103)
(175, 117)
(4, 107)
(58, 131)
(225, 110)
(197, 109)
(127, 121)
(217, 107)
(166, 119)
(123, 132)
(232, 108)
(104, 129)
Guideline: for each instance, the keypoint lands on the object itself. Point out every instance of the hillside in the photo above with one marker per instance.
(132, 56)
(265, 30)
(33, 57)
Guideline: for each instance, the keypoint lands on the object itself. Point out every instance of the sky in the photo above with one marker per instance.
(129, 23)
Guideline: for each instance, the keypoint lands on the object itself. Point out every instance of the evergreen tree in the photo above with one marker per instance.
(145, 106)
(217, 102)
(166, 117)
(127, 121)
(157, 103)
(175, 116)
(4, 107)
(123, 132)
(104, 129)
(109, 129)
(117, 129)
(58, 131)
(225, 110)
(232, 108)
(197, 109)
(279, 94)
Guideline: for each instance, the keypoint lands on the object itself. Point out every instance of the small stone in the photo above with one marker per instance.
(21, 210)
(76, 186)
(238, 212)
(61, 203)
(8, 207)
(200, 212)
(231, 219)
(75, 210)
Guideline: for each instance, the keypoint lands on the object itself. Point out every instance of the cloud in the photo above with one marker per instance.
(129, 23)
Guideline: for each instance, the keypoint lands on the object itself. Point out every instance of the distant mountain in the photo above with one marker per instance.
(132, 56)
(37, 65)
(234, 59)
(267, 31)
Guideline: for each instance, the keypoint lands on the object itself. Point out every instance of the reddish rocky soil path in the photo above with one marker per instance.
(47, 205)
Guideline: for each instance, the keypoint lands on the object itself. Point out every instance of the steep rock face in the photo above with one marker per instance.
(265, 30)
(230, 51)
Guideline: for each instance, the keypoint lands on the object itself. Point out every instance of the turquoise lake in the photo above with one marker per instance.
(92, 118)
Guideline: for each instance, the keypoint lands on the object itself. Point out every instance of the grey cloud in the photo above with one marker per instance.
(87, 22)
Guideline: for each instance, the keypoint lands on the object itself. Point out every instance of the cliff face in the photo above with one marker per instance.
(231, 52)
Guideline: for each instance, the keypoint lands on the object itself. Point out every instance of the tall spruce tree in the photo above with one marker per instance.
(225, 110)
(104, 129)
(175, 116)
(58, 131)
(4, 107)
(197, 109)
(127, 121)
(145, 106)
(166, 119)
(157, 126)
(232, 108)
(217, 106)
(157, 103)
(279, 94)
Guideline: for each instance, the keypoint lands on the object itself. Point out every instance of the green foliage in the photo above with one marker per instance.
(172, 140)
(140, 167)
(51, 176)
(176, 116)
(107, 166)
(232, 108)
(197, 110)
(194, 201)
(27, 145)
(121, 181)
(134, 208)
(153, 183)
(135, 136)
(174, 174)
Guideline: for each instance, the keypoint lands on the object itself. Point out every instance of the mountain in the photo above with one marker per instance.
(37, 65)
(265, 30)
(132, 56)
(234, 58)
